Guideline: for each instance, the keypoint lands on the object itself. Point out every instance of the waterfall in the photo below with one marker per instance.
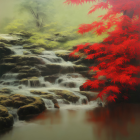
(66, 78)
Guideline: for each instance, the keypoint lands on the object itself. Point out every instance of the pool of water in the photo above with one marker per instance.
(116, 123)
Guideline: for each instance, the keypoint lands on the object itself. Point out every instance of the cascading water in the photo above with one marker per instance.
(66, 79)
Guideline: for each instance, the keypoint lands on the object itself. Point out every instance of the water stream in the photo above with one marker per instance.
(65, 81)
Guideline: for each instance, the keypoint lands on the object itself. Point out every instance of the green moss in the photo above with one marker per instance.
(49, 96)
(67, 95)
(6, 119)
(39, 92)
(31, 109)
(37, 50)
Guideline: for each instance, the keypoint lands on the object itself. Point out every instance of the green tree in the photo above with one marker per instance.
(37, 10)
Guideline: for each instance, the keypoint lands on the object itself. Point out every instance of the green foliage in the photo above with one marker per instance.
(15, 26)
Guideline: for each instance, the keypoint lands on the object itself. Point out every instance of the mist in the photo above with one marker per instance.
(58, 12)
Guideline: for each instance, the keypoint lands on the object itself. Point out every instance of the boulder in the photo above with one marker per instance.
(37, 92)
(90, 95)
(31, 109)
(65, 55)
(55, 103)
(27, 106)
(37, 50)
(5, 67)
(79, 68)
(66, 95)
(5, 91)
(51, 78)
(48, 96)
(6, 119)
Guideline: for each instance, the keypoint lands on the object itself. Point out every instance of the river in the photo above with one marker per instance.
(81, 122)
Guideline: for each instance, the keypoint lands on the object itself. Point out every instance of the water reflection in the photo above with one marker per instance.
(115, 122)
(119, 122)
(51, 116)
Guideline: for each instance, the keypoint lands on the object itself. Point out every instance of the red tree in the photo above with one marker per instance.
(119, 54)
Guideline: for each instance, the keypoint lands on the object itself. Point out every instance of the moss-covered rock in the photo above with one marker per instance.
(56, 105)
(51, 78)
(15, 100)
(11, 39)
(79, 68)
(30, 60)
(6, 119)
(5, 100)
(37, 50)
(39, 92)
(66, 95)
(20, 100)
(49, 96)
(90, 95)
(60, 68)
(33, 46)
(5, 91)
(5, 67)
(26, 52)
(32, 82)
(65, 55)
(26, 105)
(25, 34)
(24, 81)
(31, 109)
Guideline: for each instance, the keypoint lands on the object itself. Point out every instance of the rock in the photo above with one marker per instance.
(26, 75)
(20, 100)
(10, 39)
(58, 68)
(90, 95)
(65, 101)
(24, 34)
(34, 82)
(68, 84)
(6, 119)
(20, 87)
(5, 67)
(84, 101)
(24, 82)
(84, 61)
(49, 96)
(37, 50)
(33, 46)
(20, 68)
(27, 106)
(37, 92)
(5, 100)
(65, 55)
(51, 78)
(79, 68)
(53, 98)
(5, 91)
(30, 60)
(56, 105)
(31, 109)
(66, 95)
(26, 52)
(15, 100)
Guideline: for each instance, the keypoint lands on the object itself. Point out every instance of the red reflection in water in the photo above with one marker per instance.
(52, 116)
(113, 121)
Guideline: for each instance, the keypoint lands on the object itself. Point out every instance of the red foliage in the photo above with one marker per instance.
(119, 53)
